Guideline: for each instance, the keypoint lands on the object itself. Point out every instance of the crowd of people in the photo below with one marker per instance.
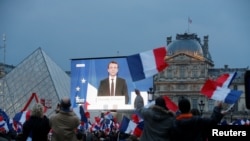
(154, 121)
(159, 123)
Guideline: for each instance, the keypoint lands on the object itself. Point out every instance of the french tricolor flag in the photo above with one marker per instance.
(147, 64)
(3, 125)
(225, 79)
(127, 126)
(22, 116)
(218, 89)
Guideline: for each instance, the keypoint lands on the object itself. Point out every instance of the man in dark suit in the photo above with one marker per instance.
(119, 87)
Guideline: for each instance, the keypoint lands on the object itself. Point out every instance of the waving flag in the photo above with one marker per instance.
(16, 126)
(136, 118)
(19, 120)
(21, 117)
(140, 124)
(218, 90)
(139, 128)
(170, 104)
(108, 115)
(225, 79)
(4, 129)
(132, 126)
(127, 126)
(84, 118)
(5, 122)
(147, 64)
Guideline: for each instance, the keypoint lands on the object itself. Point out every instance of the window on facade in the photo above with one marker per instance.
(182, 71)
(169, 73)
(195, 72)
(210, 105)
(161, 74)
(195, 103)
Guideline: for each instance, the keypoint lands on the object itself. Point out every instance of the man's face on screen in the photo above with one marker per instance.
(113, 69)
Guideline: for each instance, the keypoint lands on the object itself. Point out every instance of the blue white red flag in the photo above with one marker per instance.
(136, 118)
(140, 124)
(96, 125)
(132, 126)
(218, 89)
(4, 129)
(147, 64)
(139, 128)
(5, 122)
(83, 116)
(127, 126)
(21, 117)
(108, 115)
(225, 79)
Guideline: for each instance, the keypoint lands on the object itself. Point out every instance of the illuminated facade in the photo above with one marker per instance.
(190, 65)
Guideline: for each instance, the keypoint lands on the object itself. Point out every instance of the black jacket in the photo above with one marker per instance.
(194, 128)
(39, 128)
(157, 123)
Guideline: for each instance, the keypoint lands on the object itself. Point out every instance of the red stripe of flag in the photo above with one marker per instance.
(170, 104)
(159, 55)
(225, 79)
(208, 88)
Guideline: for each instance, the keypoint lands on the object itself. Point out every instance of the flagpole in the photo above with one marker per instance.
(189, 22)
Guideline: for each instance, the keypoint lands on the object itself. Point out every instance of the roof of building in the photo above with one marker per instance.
(189, 44)
(185, 45)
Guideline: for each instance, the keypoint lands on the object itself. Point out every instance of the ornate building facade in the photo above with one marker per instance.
(190, 65)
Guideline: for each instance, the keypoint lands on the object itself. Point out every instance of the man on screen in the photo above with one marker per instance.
(113, 85)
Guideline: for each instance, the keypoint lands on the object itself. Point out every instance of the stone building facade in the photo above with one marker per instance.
(190, 65)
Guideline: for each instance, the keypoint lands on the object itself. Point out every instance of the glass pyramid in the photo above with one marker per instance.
(38, 74)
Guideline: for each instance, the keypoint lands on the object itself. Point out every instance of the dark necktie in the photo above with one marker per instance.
(112, 87)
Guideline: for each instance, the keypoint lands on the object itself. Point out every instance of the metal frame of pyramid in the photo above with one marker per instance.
(39, 74)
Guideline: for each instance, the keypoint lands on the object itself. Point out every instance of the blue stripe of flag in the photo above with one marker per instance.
(135, 67)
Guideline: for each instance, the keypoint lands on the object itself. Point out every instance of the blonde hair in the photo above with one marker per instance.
(37, 110)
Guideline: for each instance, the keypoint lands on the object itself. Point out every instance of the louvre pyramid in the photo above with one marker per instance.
(39, 74)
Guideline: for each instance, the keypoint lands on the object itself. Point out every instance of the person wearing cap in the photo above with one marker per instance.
(64, 123)
(191, 127)
(157, 121)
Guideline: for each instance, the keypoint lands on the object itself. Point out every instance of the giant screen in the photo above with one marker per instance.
(86, 75)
